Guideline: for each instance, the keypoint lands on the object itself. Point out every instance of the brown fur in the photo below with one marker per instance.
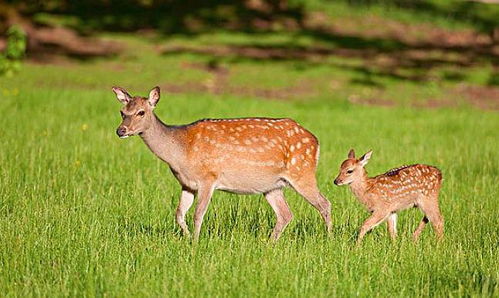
(400, 188)
(248, 155)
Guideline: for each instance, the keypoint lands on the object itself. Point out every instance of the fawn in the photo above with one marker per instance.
(245, 156)
(386, 194)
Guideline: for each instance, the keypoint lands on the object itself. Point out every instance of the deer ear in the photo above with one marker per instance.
(365, 158)
(351, 153)
(122, 95)
(154, 96)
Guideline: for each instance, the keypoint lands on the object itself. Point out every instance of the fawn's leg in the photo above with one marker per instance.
(204, 196)
(432, 212)
(278, 203)
(375, 219)
(420, 228)
(186, 200)
(392, 225)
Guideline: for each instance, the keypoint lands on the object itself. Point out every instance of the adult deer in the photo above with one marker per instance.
(245, 156)
(386, 194)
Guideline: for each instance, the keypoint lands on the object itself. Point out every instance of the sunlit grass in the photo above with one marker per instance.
(83, 213)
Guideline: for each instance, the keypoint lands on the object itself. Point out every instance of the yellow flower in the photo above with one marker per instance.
(84, 127)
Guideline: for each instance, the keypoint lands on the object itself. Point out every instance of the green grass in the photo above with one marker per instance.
(83, 213)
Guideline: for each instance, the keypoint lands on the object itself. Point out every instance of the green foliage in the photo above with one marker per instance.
(83, 213)
(10, 59)
(202, 15)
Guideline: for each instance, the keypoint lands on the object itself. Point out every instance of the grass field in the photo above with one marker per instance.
(83, 213)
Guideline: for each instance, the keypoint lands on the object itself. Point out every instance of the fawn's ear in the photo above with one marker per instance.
(122, 95)
(365, 158)
(154, 96)
(351, 153)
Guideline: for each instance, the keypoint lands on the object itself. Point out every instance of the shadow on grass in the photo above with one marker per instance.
(390, 58)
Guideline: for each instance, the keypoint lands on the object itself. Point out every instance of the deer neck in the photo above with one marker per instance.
(361, 186)
(164, 141)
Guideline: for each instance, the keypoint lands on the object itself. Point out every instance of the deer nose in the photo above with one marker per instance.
(121, 131)
(335, 181)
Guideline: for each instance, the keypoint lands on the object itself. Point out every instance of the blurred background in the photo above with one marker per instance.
(425, 53)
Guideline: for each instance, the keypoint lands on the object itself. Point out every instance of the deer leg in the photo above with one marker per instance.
(392, 225)
(204, 196)
(375, 219)
(420, 228)
(283, 213)
(308, 189)
(432, 212)
(186, 200)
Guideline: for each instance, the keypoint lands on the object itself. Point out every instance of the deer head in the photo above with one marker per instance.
(137, 112)
(352, 169)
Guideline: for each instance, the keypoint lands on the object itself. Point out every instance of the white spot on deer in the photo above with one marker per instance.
(292, 148)
(264, 139)
(247, 142)
(297, 130)
(293, 161)
(198, 135)
(298, 145)
(195, 148)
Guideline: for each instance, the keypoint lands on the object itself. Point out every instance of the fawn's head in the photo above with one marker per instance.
(136, 111)
(352, 169)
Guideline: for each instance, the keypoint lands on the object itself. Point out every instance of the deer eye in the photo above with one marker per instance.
(349, 171)
(122, 115)
(141, 113)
